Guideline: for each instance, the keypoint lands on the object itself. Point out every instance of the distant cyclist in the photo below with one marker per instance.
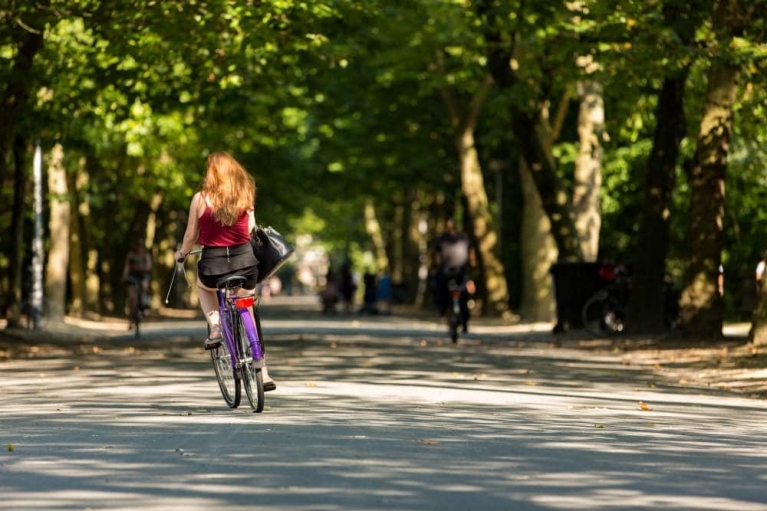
(452, 258)
(138, 266)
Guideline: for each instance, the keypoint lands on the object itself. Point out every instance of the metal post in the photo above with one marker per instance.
(36, 300)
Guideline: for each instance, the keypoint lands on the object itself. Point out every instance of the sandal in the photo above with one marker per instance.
(214, 339)
(269, 385)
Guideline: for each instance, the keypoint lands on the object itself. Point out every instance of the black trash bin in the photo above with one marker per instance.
(574, 283)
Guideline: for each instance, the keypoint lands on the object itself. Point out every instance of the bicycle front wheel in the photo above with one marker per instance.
(251, 375)
(228, 379)
(136, 320)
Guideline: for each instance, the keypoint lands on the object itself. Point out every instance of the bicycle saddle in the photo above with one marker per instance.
(231, 282)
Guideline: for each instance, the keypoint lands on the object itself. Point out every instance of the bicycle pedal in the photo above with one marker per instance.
(211, 344)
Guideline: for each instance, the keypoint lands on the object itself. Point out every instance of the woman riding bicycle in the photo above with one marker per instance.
(221, 217)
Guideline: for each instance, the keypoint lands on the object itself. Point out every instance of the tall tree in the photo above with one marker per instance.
(701, 304)
(647, 302)
(59, 222)
(531, 133)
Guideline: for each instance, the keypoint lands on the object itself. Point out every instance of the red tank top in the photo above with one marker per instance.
(215, 234)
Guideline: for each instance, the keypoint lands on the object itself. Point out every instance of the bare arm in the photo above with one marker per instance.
(192, 232)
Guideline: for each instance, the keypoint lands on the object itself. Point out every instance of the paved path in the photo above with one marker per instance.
(380, 414)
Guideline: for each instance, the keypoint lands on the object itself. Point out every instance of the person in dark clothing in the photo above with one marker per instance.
(348, 287)
(452, 259)
(370, 296)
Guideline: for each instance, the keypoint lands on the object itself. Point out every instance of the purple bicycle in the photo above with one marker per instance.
(240, 356)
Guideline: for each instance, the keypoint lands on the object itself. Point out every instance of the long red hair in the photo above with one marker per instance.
(228, 187)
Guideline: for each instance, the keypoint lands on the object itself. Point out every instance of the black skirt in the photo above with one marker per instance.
(217, 263)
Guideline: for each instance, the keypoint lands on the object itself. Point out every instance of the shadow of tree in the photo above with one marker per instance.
(368, 422)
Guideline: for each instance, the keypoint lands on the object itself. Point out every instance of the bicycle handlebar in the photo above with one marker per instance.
(179, 266)
(193, 252)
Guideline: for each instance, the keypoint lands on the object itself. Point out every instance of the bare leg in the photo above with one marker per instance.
(268, 382)
(209, 305)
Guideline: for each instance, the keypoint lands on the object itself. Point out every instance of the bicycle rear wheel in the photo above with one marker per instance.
(602, 315)
(251, 375)
(591, 314)
(228, 379)
(453, 327)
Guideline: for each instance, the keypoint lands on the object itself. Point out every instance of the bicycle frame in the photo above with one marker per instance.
(230, 307)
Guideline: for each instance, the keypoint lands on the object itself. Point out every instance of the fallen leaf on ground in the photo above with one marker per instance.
(427, 441)
(644, 406)
(311, 384)
(11, 447)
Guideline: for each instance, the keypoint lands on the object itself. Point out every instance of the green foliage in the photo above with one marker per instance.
(329, 103)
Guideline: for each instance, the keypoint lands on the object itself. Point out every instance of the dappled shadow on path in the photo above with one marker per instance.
(360, 422)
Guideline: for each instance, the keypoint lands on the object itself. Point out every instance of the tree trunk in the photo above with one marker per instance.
(373, 228)
(646, 303)
(588, 168)
(530, 134)
(702, 311)
(17, 234)
(482, 229)
(15, 95)
(417, 231)
(539, 252)
(59, 222)
(701, 304)
(77, 240)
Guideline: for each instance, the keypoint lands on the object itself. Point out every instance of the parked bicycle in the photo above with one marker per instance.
(239, 358)
(604, 314)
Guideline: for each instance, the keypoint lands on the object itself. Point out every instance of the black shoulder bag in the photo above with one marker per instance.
(271, 250)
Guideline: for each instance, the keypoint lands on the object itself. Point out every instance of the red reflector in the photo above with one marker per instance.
(243, 303)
